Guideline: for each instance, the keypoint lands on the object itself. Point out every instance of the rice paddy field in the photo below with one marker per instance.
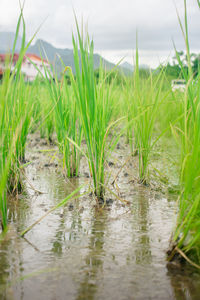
(99, 183)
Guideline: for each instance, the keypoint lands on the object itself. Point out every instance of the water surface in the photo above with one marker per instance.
(82, 252)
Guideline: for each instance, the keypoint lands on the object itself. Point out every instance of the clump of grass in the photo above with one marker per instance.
(144, 98)
(15, 118)
(6, 156)
(187, 232)
(67, 125)
(95, 109)
(128, 105)
(43, 110)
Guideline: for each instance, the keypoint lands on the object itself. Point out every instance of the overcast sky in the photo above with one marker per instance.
(111, 23)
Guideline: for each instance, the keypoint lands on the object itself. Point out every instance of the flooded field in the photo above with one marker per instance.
(81, 251)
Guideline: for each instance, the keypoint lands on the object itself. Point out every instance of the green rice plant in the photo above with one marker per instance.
(187, 134)
(24, 111)
(6, 153)
(21, 111)
(187, 233)
(128, 105)
(14, 123)
(67, 123)
(5, 162)
(49, 126)
(144, 98)
(18, 111)
(9, 134)
(95, 109)
(170, 112)
(44, 112)
(144, 127)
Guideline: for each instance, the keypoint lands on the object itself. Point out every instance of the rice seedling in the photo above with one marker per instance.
(43, 111)
(95, 109)
(144, 99)
(9, 133)
(49, 127)
(67, 124)
(14, 123)
(128, 104)
(187, 232)
(5, 163)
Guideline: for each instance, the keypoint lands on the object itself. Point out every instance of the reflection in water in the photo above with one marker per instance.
(141, 213)
(11, 262)
(18, 210)
(96, 254)
(62, 236)
(57, 245)
(4, 267)
(183, 282)
(11, 248)
(94, 259)
(21, 213)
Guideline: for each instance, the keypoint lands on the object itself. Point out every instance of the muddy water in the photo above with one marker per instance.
(82, 252)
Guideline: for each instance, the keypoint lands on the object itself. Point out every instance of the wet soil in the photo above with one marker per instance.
(83, 252)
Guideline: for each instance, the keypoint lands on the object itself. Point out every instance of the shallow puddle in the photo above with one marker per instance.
(81, 252)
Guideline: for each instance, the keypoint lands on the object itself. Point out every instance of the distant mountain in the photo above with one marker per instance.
(144, 67)
(54, 55)
(46, 49)
(7, 40)
(128, 66)
(57, 56)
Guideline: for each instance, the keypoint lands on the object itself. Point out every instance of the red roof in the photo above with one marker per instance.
(34, 56)
(3, 57)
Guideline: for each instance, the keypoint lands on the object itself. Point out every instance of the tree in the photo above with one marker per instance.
(196, 65)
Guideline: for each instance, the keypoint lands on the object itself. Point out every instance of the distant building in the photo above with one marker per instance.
(32, 65)
(3, 59)
(1, 73)
(178, 84)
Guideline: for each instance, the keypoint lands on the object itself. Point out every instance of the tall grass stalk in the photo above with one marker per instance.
(128, 104)
(145, 98)
(14, 123)
(187, 232)
(94, 107)
(67, 123)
